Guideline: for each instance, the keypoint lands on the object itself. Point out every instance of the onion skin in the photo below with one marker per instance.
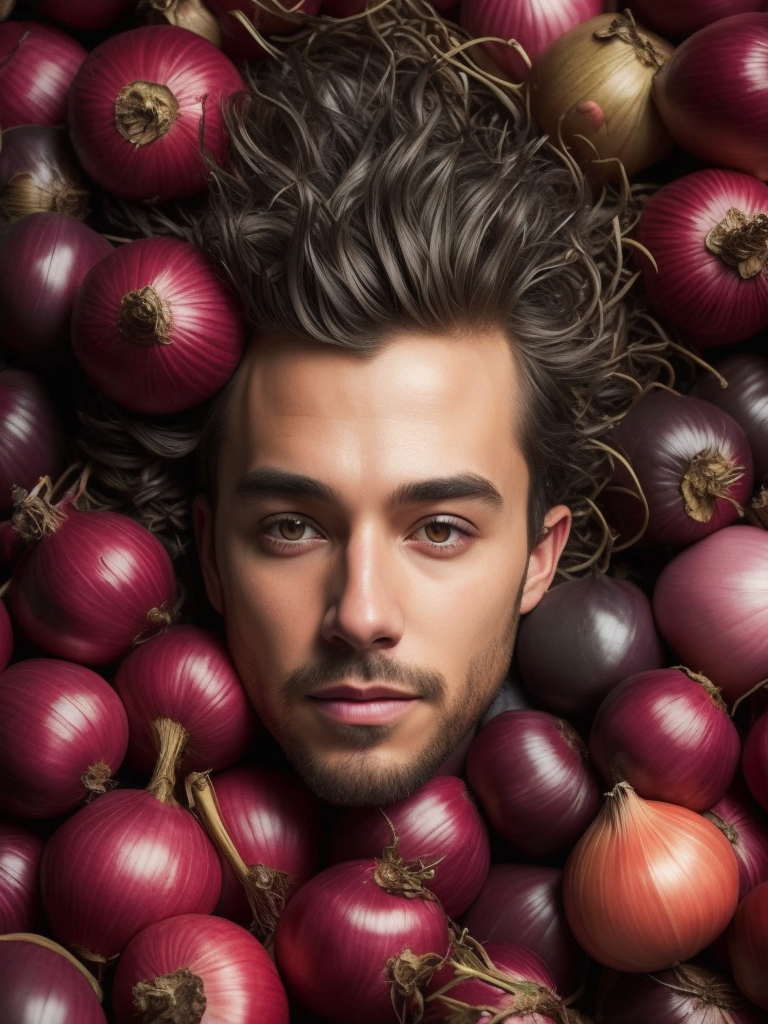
(583, 638)
(39, 174)
(20, 853)
(748, 945)
(31, 434)
(438, 824)
(745, 399)
(711, 606)
(38, 64)
(41, 986)
(755, 760)
(684, 17)
(722, 119)
(740, 820)
(239, 981)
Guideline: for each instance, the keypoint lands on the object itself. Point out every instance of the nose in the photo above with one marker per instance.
(365, 610)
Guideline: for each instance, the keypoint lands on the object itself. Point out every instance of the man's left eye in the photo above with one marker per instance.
(442, 533)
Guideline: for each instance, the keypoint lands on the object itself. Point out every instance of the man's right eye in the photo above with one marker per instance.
(286, 531)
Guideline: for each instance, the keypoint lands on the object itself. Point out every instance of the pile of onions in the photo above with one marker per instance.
(39, 174)
(155, 328)
(748, 945)
(31, 434)
(649, 883)
(20, 853)
(140, 105)
(38, 64)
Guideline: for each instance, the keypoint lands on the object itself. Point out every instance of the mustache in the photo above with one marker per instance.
(304, 681)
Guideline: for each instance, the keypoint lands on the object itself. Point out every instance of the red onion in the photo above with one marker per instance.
(39, 174)
(748, 945)
(154, 327)
(63, 732)
(191, 963)
(137, 108)
(266, 16)
(720, 118)
(6, 636)
(740, 820)
(709, 277)
(40, 983)
(20, 853)
(683, 17)
(343, 937)
(669, 736)
(583, 638)
(529, 771)
(37, 66)
(438, 824)
(85, 13)
(31, 441)
(693, 466)
(711, 606)
(532, 23)
(95, 584)
(755, 760)
(745, 399)
(43, 258)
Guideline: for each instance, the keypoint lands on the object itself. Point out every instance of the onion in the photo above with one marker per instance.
(20, 853)
(649, 883)
(706, 233)
(591, 89)
(739, 819)
(41, 983)
(6, 636)
(684, 17)
(348, 937)
(265, 16)
(139, 105)
(720, 118)
(43, 258)
(438, 824)
(85, 13)
(197, 968)
(692, 463)
(154, 327)
(583, 638)
(748, 945)
(755, 760)
(31, 442)
(711, 606)
(92, 586)
(38, 64)
(531, 23)
(194, 15)
(63, 732)
(668, 734)
(529, 771)
(38, 174)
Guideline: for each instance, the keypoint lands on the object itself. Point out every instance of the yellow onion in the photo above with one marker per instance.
(649, 883)
(190, 14)
(591, 91)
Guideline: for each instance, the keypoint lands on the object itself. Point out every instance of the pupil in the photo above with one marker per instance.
(438, 531)
(291, 529)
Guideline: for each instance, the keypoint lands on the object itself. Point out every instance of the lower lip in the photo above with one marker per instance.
(364, 712)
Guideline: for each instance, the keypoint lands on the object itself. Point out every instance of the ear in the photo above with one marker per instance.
(203, 523)
(545, 555)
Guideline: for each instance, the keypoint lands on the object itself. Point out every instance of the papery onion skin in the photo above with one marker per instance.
(239, 981)
(31, 434)
(20, 854)
(748, 945)
(58, 721)
(38, 174)
(726, 125)
(711, 606)
(669, 736)
(38, 64)
(172, 166)
(40, 986)
(199, 332)
(755, 760)
(582, 639)
(85, 13)
(684, 17)
(122, 863)
(529, 772)
(438, 824)
(738, 816)
(88, 591)
(6, 636)
(194, 15)
(649, 883)
(691, 286)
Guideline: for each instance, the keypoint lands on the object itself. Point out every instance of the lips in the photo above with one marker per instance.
(363, 692)
(363, 704)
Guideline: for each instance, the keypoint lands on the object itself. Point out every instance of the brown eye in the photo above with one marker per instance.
(437, 532)
(292, 529)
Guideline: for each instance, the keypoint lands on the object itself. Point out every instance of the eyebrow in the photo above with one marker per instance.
(269, 481)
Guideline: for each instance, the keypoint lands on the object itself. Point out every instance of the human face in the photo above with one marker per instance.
(368, 550)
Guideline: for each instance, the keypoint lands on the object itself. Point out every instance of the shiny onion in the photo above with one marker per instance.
(43, 260)
(63, 733)
(438, 824)
(755, 760)
(6, 636)
(85, 13)
(38, 64)
(711, 606)
(529, 771)
(721, 119)
(692, 464)
(748, 945)
(582, 639)
(138, 107)
(531, 23)
(348, 935)
(684, 17)
(591, 90)
(669, 735)
(194, 15)
(20, 853)
(39, 174)
(264, 16)
(195, 968)
(707, 235)
(740, 820)
(93, 585)
(649, 883)
(155, 328)
(31, 434)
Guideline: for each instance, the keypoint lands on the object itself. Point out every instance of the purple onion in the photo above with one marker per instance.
(39, 173)
(738, 816)
(31, 434)
(20, 853)
(44, 985)
(38, 64)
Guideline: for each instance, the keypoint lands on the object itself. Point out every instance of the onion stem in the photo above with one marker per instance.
(145, 318)
(170, 740)
(741, 242)
(177, 998)
(145, 112)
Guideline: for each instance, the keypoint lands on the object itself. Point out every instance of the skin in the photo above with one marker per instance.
(352, 581)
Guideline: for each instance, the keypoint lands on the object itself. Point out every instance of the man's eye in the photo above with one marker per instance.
(443, 533)
(438, 532)
(290, 529)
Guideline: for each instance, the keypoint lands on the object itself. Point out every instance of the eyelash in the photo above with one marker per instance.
(279, 544)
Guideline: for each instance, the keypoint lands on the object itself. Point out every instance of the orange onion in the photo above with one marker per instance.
(649, 883)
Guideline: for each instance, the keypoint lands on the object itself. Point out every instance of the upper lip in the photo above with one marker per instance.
(366, 691)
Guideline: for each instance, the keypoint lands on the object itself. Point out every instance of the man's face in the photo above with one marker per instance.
(368, 550)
